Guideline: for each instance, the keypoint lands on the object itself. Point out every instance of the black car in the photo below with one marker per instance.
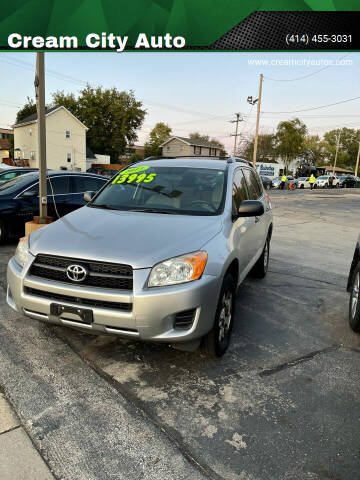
(266, 181)
(19, 198)
(347, 181)
(353, 287)
(7, 174)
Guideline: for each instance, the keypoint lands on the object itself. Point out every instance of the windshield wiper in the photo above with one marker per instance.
(102, 205)
(152, 210)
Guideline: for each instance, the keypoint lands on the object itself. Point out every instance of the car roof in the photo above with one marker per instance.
(194, 162)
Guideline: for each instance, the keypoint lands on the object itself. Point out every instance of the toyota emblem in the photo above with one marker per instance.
(76, 273)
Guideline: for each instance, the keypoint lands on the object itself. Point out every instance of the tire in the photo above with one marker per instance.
(301, 187)
(3, 232)
(216, 342)
(260, 268)
(354, 303)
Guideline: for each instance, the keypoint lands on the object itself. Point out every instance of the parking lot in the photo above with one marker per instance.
(283, 403)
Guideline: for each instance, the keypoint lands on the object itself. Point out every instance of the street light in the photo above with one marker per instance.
(252, 100)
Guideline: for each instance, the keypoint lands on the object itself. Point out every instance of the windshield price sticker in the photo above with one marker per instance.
(133, 175)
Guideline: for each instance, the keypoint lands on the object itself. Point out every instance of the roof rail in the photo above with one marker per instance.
(207, 157)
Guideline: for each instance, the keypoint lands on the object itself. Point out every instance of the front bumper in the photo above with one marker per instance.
(153, 309)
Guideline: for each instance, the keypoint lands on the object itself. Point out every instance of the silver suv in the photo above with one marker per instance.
(157, 254)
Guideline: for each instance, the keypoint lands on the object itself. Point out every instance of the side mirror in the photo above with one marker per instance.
(29, 194)
(250, 208)
(88, 196)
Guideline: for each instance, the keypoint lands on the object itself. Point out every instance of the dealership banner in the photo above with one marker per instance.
(177, 25)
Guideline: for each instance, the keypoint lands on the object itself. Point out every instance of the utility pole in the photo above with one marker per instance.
(336, 151)
(238, 119)
(40, 108)
(257, 120)
(357, 162)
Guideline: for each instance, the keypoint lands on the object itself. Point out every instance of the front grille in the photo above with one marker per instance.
(104, 275)
(184, 319)
(86, 302)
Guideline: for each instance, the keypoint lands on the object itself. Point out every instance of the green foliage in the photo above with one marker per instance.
(28, 109)
(289, 139)
(314, 150)
(158, 135)
(135, 158)
(111, 116)
(266, 151)
(348, 146)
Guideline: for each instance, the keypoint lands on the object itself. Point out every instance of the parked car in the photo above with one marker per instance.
(7, 174)
(303, 182)
(353, 287)
(19, 198)
(156, 255)
(347, 181)
(266, 181)
(102, 171)
(289, 180)
(323, 181)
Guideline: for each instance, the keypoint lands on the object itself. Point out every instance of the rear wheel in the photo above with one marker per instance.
(216, 342)
(354, 304)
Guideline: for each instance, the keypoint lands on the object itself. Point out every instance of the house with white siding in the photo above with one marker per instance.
(179, 146)
(65, 140)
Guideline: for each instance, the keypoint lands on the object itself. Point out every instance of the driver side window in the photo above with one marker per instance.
(239, 190)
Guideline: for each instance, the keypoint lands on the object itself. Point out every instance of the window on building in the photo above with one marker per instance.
(30, 132)
(67, 134)
(68, 157)
(197, 150)
(32, 155)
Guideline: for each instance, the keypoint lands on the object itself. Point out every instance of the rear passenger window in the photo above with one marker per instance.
(239, 192)
(253, 187)
(60, 185)
(86, 184)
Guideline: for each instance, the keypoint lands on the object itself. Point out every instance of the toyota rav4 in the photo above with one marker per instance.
(157, 254)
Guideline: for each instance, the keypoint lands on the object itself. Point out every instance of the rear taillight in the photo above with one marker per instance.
(268, 197)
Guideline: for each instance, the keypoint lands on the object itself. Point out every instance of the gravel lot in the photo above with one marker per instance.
(282, 404)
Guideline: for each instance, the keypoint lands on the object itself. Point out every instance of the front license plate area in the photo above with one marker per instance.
(74, 313)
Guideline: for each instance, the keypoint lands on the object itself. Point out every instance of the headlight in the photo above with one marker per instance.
(178, 270)
(22, 251)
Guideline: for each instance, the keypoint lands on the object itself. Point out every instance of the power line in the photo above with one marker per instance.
(305, 76)
(321, 106)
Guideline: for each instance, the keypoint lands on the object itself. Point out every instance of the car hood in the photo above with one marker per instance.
(137, 238)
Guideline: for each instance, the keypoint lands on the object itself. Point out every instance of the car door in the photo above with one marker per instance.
(256, 192)
(243, 234)
(79, 184)
(58, 195)
(26, 206)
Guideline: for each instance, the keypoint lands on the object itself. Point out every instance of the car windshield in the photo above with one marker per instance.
(322, 178)
(17, 183)
(158, 189)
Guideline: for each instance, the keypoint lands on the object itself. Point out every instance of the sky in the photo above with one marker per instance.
(201, 91)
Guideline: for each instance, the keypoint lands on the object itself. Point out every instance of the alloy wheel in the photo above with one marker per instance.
(225, 315)
(355, 295)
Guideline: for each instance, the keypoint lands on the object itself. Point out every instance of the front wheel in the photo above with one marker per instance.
(216, 342)
(354, 305)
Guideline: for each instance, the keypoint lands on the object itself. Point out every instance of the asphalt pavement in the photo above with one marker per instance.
(282, 404)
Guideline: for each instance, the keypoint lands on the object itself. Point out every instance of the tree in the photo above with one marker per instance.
(265, 150)
(158, 135)
(348, 146)
(206, 138)
(289, 139)
(313, 150)
(28, 109)
(111, 116)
